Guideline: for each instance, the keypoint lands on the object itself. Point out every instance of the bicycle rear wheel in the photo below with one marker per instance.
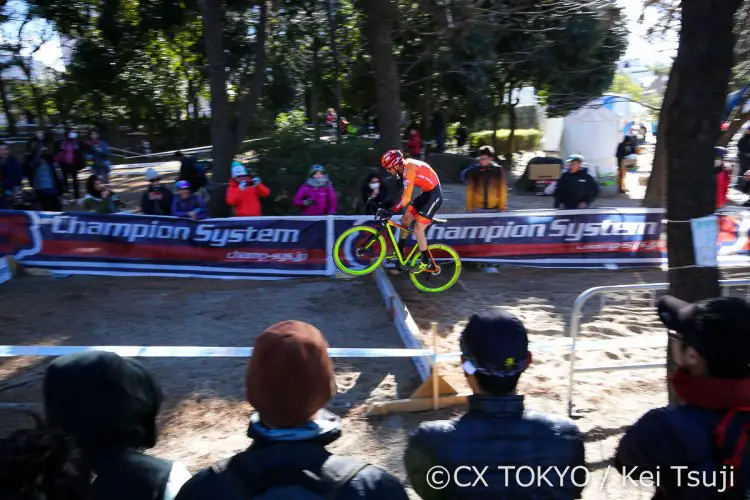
(359, 250)
(447, 274)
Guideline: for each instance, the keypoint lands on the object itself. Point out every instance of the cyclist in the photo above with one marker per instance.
(423, 208)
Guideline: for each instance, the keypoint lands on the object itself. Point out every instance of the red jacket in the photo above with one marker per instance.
(246, 202)
(723, 179)
(415, 145)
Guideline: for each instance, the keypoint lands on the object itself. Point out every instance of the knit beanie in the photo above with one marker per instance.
(289, 376)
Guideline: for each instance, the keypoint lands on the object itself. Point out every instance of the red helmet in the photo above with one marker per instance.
(392, 159)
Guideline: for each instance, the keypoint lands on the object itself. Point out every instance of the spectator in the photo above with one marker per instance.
(46, 178)
(462, 135)
(438, 128)
(11, 176)
(99, 151)
(99, 196)
(414, 144)
(625, 149)
(187, 204)
(711, 347)
(38, 464)
(191, 172)
(723, 176)
(70, 158)
(374, 193)
(575, 188)
(743, 153)
(157, 199)
(316, 196)
(290, 430)
(331, 120)
(496, 430)
(486, 186)
(244, 193)
(109, 406)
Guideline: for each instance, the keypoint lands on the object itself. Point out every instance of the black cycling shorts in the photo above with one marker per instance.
(427, 204)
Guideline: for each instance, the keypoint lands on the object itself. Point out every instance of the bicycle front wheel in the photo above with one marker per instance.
(359, 250)
(448, 270)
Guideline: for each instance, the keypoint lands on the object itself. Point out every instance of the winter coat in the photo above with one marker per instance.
(323, 198)
(246, 202)
(723, 179)
(99, 152)
(284, 452)
(109, 405)
(69, 154)
(573, 189)
(157, 207)
(194, 203)
(687, 436)
(46, 177)
(496, 431)
(486, 188)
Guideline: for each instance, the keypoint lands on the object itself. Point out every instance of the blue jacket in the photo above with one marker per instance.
(686, 436)
(496, 431)
(11, 174)
(194, 203)
(276, 451)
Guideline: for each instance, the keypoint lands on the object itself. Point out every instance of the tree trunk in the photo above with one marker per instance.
(694, 120)
(332, 16)
(380, 16)
(498, 113)
(656, 190)
(512, 122)
(247, 105)
(6, 108)
(221, 113)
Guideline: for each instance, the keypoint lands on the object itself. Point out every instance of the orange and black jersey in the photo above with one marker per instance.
(416, 173)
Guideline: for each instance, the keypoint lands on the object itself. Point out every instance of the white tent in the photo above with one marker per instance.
(593, 132)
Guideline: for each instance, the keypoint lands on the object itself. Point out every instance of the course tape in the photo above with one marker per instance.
(7, 351)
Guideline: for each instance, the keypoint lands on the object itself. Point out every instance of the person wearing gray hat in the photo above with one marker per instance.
(497, 434)
(157, 199)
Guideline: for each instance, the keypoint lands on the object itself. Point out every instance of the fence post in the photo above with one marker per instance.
(330, 235)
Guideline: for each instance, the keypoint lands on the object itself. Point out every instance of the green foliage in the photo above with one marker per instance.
(284, 161)
(624, 85)
(524, 139)
(292, 122)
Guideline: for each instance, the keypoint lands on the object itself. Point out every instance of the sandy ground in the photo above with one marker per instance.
(205, 417)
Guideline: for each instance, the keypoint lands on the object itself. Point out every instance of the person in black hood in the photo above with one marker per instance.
(575, 188)
(374, 193)
(109, 405)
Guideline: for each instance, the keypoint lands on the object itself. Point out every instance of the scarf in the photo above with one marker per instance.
(318, 182)
(711, 393)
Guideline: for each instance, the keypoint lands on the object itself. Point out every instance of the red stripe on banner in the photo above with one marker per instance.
(114, 250)
(515, 250)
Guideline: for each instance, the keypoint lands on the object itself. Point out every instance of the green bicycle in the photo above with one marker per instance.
(361, 249)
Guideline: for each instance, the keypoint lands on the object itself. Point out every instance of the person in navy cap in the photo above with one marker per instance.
(497, 430)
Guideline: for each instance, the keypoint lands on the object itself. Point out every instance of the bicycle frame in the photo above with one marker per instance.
(387, 228)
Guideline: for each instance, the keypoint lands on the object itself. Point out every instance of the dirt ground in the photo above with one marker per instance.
(205, 417)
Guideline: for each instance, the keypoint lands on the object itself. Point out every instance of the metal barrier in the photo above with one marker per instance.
(575, 326)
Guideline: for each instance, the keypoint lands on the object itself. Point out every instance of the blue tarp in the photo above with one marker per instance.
(733, 100)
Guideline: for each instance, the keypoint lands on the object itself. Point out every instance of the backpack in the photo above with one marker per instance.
(335, 473)
(731, 440)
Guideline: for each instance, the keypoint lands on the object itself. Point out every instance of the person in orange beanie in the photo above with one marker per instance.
(244, 193)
